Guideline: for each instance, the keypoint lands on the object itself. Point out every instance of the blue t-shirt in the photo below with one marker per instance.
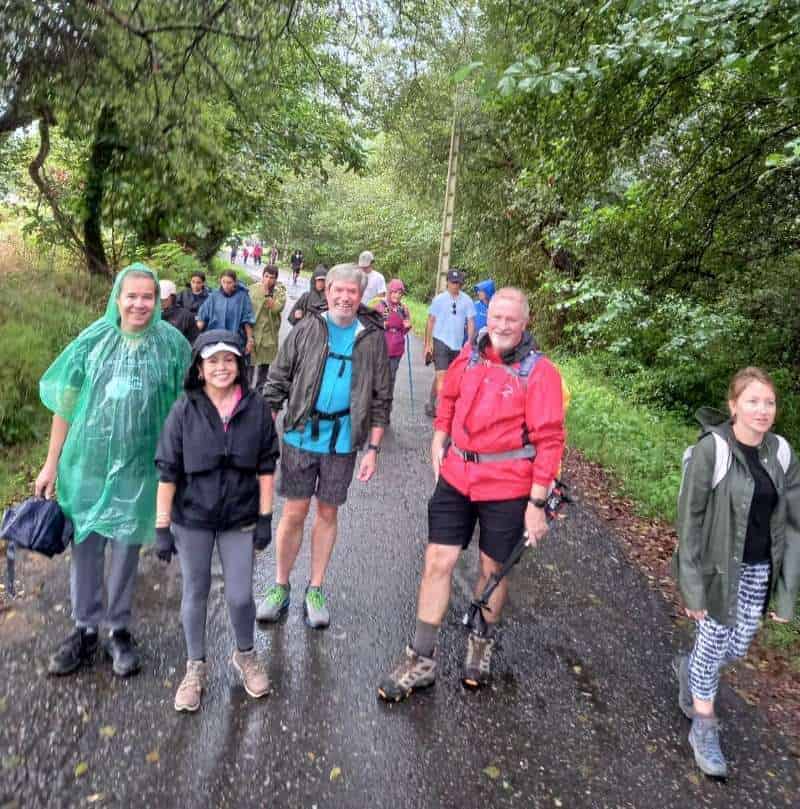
(334, 394)
(451, 320)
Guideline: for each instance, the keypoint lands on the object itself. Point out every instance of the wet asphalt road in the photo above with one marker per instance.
(582, 712)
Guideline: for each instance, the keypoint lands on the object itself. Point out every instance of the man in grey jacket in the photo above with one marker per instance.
(333, 372)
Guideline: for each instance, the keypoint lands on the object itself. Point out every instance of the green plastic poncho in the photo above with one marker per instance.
(115, 389)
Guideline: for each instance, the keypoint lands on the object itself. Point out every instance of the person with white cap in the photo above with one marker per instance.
(181, 319)
(376, 283)
(216, 459)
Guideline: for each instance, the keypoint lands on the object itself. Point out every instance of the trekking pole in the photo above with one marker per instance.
(473, 617)
(410, 376)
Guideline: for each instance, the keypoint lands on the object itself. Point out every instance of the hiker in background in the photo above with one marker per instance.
(181, 319)
(268, 299)
(245, 254)
(332, 372)
(451, 315)
(195, 294)
(273, 254)
(257, 252)
(297, 261)
(376, 283)
(496, 449)
(314, 300)
(229, 308)
(484, 290)
(396, 324)
(234, 251)
(738, 547)
(219, 439)
(110, 390)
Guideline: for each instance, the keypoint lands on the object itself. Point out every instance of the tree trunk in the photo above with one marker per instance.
(103, 147)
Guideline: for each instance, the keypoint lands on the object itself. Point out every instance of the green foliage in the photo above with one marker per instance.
(172, 261)
(641, 447)
(35, 325)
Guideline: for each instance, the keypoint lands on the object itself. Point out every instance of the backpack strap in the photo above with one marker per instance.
(784, 453)
(723, 459)
(528, 364)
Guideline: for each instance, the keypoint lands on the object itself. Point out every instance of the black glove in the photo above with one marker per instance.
(262, 535)
(165, 544)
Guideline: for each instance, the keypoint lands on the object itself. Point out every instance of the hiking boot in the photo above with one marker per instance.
(187, 697)
(315, 609)
(76, 650)
(251, 670)
(680, 665)
(704, 739)
(478, 663)
(275, 603)
(120, 649)
(412, 672)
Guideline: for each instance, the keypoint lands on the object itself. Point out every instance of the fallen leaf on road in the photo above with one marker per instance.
(152, 757)
(491, 772)
(336, 772)
(10, 762)
(108, 731)
(81, 769)
(311, 756)
(96, 798)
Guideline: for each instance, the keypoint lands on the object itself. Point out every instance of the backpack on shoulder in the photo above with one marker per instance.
(723, 457)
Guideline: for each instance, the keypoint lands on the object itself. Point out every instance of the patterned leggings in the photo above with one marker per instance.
(716, 645)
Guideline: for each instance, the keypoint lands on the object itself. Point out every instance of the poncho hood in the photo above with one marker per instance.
(112, 309)
(486, 286)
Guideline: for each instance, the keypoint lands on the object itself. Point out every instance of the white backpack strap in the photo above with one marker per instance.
(722, 459)
(784, 453)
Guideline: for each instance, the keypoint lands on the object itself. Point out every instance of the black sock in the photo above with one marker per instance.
(425, 637)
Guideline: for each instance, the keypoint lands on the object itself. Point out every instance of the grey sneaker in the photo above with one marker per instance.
(315, 609)
(478, 664)
(704, 739)
(275, 603)
(680, 665)
(412, 672)
(187, 697)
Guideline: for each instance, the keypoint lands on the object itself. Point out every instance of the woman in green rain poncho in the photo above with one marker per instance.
(110, 391)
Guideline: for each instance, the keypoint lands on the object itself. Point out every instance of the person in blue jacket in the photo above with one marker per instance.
(229, 308)
(484, 290)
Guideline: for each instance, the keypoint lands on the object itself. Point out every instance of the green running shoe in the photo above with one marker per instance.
(316, 609)
(275, 603)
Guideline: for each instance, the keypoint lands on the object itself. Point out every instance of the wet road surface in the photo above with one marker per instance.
(582, 712)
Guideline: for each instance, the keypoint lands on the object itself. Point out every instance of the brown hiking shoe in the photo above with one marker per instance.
(251, 669)
(412, 672)
(187, 697)
(478, 665)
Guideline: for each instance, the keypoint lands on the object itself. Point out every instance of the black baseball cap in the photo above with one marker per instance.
(455, 276)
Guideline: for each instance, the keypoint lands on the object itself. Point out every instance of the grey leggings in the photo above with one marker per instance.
(195, 547)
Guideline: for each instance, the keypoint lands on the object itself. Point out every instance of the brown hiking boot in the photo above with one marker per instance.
(412, 672)
(251, 669)
(187, 697)
(478, 665)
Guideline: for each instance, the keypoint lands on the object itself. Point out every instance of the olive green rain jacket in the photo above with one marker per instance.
(268, 322)
(115, 389)
(712, 525)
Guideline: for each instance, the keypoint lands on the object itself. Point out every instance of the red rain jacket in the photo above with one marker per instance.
(484, 408)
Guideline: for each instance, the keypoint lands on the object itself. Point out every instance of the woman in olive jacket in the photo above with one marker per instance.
(739, 545)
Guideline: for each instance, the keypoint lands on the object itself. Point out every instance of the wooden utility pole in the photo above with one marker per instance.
(449, 206)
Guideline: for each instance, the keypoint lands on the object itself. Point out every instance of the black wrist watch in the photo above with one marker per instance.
(537, 501)
(375, 447)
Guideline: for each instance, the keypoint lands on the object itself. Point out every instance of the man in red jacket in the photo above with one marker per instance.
(497, 447)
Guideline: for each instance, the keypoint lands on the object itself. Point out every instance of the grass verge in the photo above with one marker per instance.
(640, 447)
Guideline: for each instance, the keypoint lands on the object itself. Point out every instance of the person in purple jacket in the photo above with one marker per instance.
(396, 324)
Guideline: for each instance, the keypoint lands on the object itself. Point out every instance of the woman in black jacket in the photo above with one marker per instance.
(216, 458)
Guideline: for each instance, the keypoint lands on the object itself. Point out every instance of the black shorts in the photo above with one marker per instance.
(452, 517)
(443, 355)
(307, 474)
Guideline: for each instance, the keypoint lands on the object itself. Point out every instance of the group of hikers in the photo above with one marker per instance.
(154, 438)
(255, 250)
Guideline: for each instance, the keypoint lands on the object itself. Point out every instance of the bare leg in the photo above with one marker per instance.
(498, 597)
(434, 589)
(289, 537)
(323, 538)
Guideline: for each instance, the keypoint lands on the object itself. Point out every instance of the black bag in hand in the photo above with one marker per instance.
(36, 525)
